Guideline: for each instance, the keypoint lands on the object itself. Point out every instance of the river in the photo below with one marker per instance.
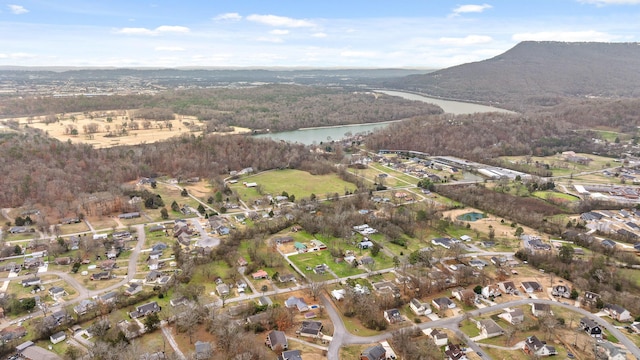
(328, 133)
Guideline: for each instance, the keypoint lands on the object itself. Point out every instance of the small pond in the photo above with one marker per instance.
(470, 216)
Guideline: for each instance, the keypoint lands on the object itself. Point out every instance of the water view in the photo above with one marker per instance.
(327, 134)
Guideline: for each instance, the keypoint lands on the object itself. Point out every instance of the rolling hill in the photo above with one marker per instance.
(534, 73)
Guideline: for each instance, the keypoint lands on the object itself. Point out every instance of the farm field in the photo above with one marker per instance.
(158, 131)
(295, 182)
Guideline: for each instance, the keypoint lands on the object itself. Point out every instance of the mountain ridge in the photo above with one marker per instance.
(531, 71)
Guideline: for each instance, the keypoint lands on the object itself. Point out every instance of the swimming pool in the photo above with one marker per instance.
(470, 216)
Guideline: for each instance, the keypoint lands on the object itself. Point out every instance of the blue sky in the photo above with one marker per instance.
(297, 33)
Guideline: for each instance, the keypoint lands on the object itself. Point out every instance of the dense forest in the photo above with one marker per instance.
(542, 132)
(274, 107)
(39, 169)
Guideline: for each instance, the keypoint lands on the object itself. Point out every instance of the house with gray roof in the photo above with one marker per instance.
(277, 340)
(376, 352)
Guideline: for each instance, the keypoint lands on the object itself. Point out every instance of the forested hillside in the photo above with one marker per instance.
(38, 169)
(531, 72)
(274, 107)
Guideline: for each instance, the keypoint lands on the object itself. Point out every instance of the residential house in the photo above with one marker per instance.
(393, 316)
(57, 337)
(241, 285)
(112, 254)
(154, 264)
(156, 228)
(617, 312)
(590, 298)
(443, 303)
(277, 340)
(296, 302)
(260, 274)
(31, 282)
(183, 300)
(131, 215)
(57, 292)
(103, 275)
(454, 352)
(152, 276)
(466, 296)
(34, 262)
(376, 352)
(144, 310)
(108, 298)
(74, 243)
(12, 332)
(311, 328)
(63, 260)
(439, 338)
(320, 269)
(264, 301)
(286, 277)
(58, 318)
(489, 328)
(444, 242)
(300, 247)
(283, 240)
(108, 265)
(290, 355)
(203, 350)
(84, 306)
(419, 308)
(492, 290)
(533, 346)
(222, 289)
(513, 316)
(133, 289)
(338, 294)
(591, 327)
(477, 263)
(539, 310)
(242, 262)
(609, 244)
(508, 287)
(561, 291)
(155, 254)
(531, 286)
(613, 352)
(366, 260)
(534, 243)
(365, 245)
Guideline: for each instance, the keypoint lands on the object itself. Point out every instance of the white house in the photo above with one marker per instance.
(489, 328)
(57, 337)
(492, 290)
(439, 338)
(513, 316)
(419, 308)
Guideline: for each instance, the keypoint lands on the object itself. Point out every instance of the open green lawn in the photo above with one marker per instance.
(402, 177)
(545, 195)
(470, 328)
(295, 182)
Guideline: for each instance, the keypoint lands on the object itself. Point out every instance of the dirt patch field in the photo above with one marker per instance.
(482, 225)
(157, 131)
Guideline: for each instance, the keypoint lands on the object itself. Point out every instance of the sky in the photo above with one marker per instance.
(297, 33)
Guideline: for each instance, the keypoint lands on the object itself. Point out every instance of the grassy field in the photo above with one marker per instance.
(561, 167)
(295, 182)
(546, 195)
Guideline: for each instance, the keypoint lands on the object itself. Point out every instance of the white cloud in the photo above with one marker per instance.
(228, 17)
(467, 40)
(280, 21)
(169, 48)
(279, 32)
(319, 35)
(275, 40)
(172, 29)
(152, 32)
(610, 2)
(17, 9)
(463, 9)
(589, 35)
